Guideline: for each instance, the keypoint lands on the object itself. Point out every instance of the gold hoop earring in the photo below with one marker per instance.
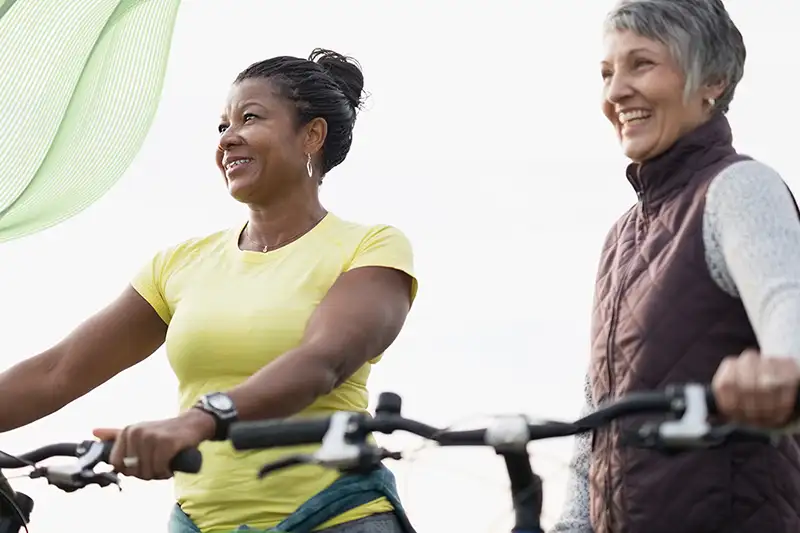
(310, 167)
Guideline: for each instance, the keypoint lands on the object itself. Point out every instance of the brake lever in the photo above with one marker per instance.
(343, 448)
(691, 430)
(735, 432)
(369, 459)
(346, 449)
(79, 474)
(649, 437)
(286, 462)
(104, 479)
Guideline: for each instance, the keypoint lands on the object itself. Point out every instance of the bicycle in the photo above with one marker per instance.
(345, 446)
(16, 507)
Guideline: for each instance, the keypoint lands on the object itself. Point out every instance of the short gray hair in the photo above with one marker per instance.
(699, 33)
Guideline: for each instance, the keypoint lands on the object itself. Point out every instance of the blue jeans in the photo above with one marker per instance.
(179, 522)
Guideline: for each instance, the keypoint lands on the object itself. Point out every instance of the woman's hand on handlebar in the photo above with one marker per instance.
(757, 391)
(145, 450)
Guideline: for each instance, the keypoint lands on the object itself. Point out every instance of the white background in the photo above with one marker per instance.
(483, 141)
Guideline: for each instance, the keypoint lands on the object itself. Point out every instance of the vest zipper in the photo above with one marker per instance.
(636, 181)
(611, 374)
(641, 196)
(645, 215)
(609, 493)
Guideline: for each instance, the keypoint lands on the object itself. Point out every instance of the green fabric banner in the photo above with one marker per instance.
(80, 83)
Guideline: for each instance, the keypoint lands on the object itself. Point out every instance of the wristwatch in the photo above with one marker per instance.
(221, 407)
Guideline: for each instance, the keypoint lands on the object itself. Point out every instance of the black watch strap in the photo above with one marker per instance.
(221, 408)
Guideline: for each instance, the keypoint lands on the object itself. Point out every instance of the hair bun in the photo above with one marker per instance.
(345, 71)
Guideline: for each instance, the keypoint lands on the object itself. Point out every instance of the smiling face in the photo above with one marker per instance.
(643, 95)
(262, 153)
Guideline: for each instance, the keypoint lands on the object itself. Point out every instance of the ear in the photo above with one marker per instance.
(316, 131)
(713, 90)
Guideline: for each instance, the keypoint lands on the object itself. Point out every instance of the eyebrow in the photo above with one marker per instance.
(248, 103)
(631, 52)
(245, 104)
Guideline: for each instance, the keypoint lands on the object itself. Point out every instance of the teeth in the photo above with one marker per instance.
(236, 163)
(626, 117)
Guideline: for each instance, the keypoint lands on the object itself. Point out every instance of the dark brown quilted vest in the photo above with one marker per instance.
(660, 318)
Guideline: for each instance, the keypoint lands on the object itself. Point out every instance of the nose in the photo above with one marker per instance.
(229, 138)
(618, 88)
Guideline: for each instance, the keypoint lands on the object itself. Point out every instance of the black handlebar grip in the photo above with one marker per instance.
(264, 434)
(188, 461)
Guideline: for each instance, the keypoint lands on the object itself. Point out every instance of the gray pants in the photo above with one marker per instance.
(179, 522)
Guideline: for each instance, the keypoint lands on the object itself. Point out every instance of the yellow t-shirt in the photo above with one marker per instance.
(230, 312)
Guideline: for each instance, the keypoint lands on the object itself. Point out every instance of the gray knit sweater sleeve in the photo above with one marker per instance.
(752, 240)
(752, 244)
(575, 515)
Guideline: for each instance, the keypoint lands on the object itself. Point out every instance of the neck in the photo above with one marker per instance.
(708, 142)
(273, 224)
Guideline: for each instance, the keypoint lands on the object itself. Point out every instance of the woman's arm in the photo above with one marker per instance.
(751, 224)
(121, 335)
(752, 236)
(575, 515)
(358, 319)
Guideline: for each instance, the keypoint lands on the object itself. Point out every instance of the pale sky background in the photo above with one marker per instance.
(483, 141)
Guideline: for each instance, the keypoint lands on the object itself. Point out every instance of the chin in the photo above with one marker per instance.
(637, 151)
(239, 193)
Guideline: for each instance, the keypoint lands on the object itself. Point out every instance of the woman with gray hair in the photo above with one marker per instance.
(698, 281)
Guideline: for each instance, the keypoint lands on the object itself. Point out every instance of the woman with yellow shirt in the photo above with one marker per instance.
(280, 316)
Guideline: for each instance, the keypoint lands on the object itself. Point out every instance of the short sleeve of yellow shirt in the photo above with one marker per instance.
(148, 283)
(386, 246)
(231, 312)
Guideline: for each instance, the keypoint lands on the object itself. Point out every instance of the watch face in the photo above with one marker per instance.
(220, 401)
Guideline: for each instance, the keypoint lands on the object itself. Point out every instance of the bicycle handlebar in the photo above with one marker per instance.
(345, 447)
(278, 433)
(693, 402)
(79, 474)
(16, 507)
(189, 460)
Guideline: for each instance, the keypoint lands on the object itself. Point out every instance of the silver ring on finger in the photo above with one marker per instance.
(130, 462)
